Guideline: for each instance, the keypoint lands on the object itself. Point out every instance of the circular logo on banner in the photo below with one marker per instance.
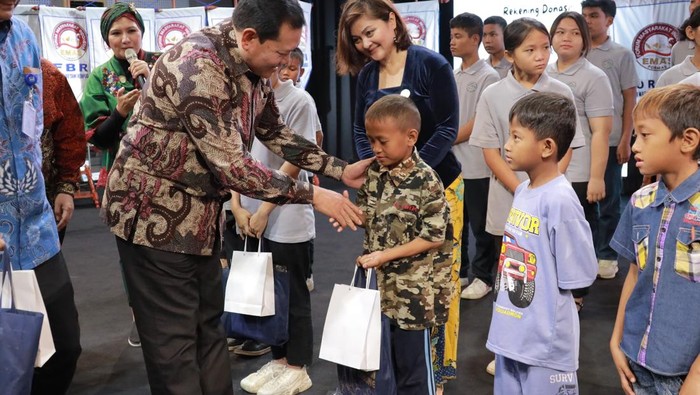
(171, 33)
(416, 29)
(652, 46)
(70, 40)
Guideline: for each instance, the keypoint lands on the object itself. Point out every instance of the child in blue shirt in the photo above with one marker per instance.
(547, 251)
(656, 340)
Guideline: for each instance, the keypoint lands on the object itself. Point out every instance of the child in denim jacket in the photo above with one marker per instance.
(656, 340)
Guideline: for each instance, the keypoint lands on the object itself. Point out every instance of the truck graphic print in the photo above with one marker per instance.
(516, 272)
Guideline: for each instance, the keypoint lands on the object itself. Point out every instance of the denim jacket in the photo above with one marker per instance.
(660, 231)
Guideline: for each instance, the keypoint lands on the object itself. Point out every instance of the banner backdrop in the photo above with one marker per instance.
(422, 19)
(30, 15)
(99, 50)
(174, 24)
(65, 43)
(217, 14)
(649, 29)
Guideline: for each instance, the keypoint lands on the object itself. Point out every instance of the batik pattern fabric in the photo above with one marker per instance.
(26, 220)
(99, 101)
(63, 143)
(188, 145)
(444, 337)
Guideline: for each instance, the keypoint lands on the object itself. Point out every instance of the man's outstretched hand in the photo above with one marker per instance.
(341, 210)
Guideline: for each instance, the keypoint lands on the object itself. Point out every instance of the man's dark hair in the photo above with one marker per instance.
(470, 23)
(496, 20)
(549, 116)
(266, 17)
(608, 7)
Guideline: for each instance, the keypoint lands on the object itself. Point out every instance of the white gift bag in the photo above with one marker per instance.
(250, 288)
(27, 296)
(352, 332)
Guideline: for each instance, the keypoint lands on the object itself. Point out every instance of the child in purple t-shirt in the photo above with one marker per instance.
(547, 251)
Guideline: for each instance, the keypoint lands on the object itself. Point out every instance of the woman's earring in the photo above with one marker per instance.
(396, 40)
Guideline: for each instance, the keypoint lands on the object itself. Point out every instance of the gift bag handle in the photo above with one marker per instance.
(368, 276)
(7, 276)
(245, 245)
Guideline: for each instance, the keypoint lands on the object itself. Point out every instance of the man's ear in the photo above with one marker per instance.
(609, 21)
(690, 141)
(248, 35)
(549, 148)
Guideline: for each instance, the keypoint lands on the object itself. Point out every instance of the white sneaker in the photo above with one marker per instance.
(491, 368)
(463, 282)
(310, 283)
(291, 382)
(607, 269)
(476, 290)
(269, 372)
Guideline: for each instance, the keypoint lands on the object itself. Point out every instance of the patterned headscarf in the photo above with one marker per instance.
(115, 12)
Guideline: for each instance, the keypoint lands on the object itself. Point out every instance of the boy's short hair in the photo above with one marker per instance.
(548, 115)
(674, 105)
(298, 55)
(496, 20)
(608, 7)
(470, 23)
(401, 109)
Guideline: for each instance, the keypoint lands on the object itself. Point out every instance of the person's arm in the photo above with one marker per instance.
(629, 97)
(691, 384)
(414, 247)
(619, 358)
(104, 115)
(600, 134)
(359, 134)
(500, 169)
(241, 215)
(565, 161)
(444, 104)
(69, 150)
(464, 132)
(258, 221)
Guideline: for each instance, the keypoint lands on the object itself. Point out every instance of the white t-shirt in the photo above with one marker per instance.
(677, 73)
(289, 223)
(470, 84)
(693, 79)
(594, 99)
(491, 130)
(682, 50)
(619, 65)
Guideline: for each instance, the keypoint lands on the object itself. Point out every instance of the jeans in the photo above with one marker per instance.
(649, 383)
(609, 208)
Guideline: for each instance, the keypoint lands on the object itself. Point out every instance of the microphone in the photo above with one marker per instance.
(130, 57)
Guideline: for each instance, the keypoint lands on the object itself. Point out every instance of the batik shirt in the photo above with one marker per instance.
(660, 232)
(400, 205)
(188, 142)
(26, 221)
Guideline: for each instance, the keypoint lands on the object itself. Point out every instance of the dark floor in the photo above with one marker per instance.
(109, 365)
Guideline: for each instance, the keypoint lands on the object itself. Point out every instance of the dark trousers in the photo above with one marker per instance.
(295, 257)
(57, 291)
(476, 193)
(177, 300)
(413, 369)
(609, 208)
(590, 211)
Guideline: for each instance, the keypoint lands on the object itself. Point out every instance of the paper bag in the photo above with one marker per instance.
(250, 288)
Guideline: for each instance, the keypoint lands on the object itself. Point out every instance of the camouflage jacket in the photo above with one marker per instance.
(400, 205)
(188, 142)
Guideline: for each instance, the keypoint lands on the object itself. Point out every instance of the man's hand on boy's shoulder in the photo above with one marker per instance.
(623, 369)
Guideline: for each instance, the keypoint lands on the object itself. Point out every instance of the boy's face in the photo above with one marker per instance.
(391, 144)
(291, 71)
(462, 44)
(493, 38)
(523, 150)
(654, 151)
(598, 23)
